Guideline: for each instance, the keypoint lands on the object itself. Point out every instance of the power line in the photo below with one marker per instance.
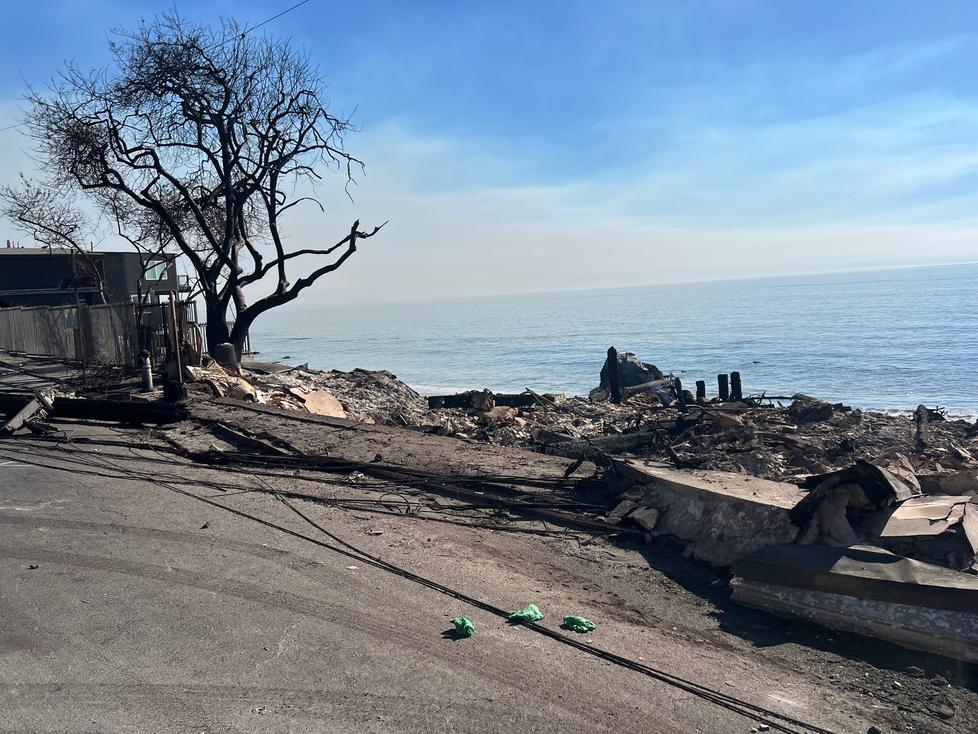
(773, 719)
(248, 30)
(275, 17)
(218, 45)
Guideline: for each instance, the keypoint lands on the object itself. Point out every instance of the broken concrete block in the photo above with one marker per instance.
(724, 516)
(323, 402)
(868, 591)
(962, 481)
(647, 517)
(623, 508)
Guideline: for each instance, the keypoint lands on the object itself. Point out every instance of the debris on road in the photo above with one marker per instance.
(729, 478)
(579, 624)
(529, 613)
(463, 627)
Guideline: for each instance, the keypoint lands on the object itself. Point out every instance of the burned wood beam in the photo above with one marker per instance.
(119, 411)
(736, 391)
(921, 417)
(464, 400)
(252, 442)
(596, 448)
(680, 394)
(610, 371)
(724, 386)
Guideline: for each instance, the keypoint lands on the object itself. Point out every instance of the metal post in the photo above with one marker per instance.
(171, 313)
(147, 371)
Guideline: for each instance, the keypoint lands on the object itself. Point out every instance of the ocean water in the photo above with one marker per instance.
(878, 340)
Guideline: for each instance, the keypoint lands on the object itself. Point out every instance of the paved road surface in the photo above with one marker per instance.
(126, 606)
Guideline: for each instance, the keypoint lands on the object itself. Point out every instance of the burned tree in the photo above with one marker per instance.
(197, 140)
(45, 213)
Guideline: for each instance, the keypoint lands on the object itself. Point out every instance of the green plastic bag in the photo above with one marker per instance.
(463, 627)
(579, 624)
(530, 613)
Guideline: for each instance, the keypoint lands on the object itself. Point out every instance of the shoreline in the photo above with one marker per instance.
(434, 390)
(857, 340)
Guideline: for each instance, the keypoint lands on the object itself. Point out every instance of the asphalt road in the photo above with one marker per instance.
(128, 606)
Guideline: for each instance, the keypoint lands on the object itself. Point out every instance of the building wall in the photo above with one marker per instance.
(46, 279)
(123, 277)
(42, 279)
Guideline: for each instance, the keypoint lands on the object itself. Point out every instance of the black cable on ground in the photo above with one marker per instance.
(228, 490)
(773, 719)
(758, 713)
(35, 375)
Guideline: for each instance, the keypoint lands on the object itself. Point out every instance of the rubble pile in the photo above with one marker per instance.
(811, 437)
(366, 396)
(781, 441)
(824, 512)
(360, 395)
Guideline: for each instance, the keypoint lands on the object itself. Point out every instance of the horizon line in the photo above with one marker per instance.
(298, 304)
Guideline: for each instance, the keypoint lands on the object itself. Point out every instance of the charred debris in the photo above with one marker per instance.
(783, 438)
(856, 520)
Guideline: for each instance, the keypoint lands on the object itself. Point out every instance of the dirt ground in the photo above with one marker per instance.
(129, 605)
(142, 591)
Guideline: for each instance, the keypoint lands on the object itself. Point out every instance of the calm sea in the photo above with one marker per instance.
(880, 340)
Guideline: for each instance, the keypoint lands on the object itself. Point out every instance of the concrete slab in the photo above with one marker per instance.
(722, 516)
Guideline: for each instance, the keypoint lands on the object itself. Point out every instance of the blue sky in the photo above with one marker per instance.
(545, 145)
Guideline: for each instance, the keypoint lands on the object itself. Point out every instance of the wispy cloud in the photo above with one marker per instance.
(704, 211)
(563, 151)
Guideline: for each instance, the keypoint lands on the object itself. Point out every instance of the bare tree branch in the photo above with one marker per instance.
(197, 140)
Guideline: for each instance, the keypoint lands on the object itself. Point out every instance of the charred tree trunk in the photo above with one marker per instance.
(217, 331)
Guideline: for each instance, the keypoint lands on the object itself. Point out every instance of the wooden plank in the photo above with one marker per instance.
(119, 411)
